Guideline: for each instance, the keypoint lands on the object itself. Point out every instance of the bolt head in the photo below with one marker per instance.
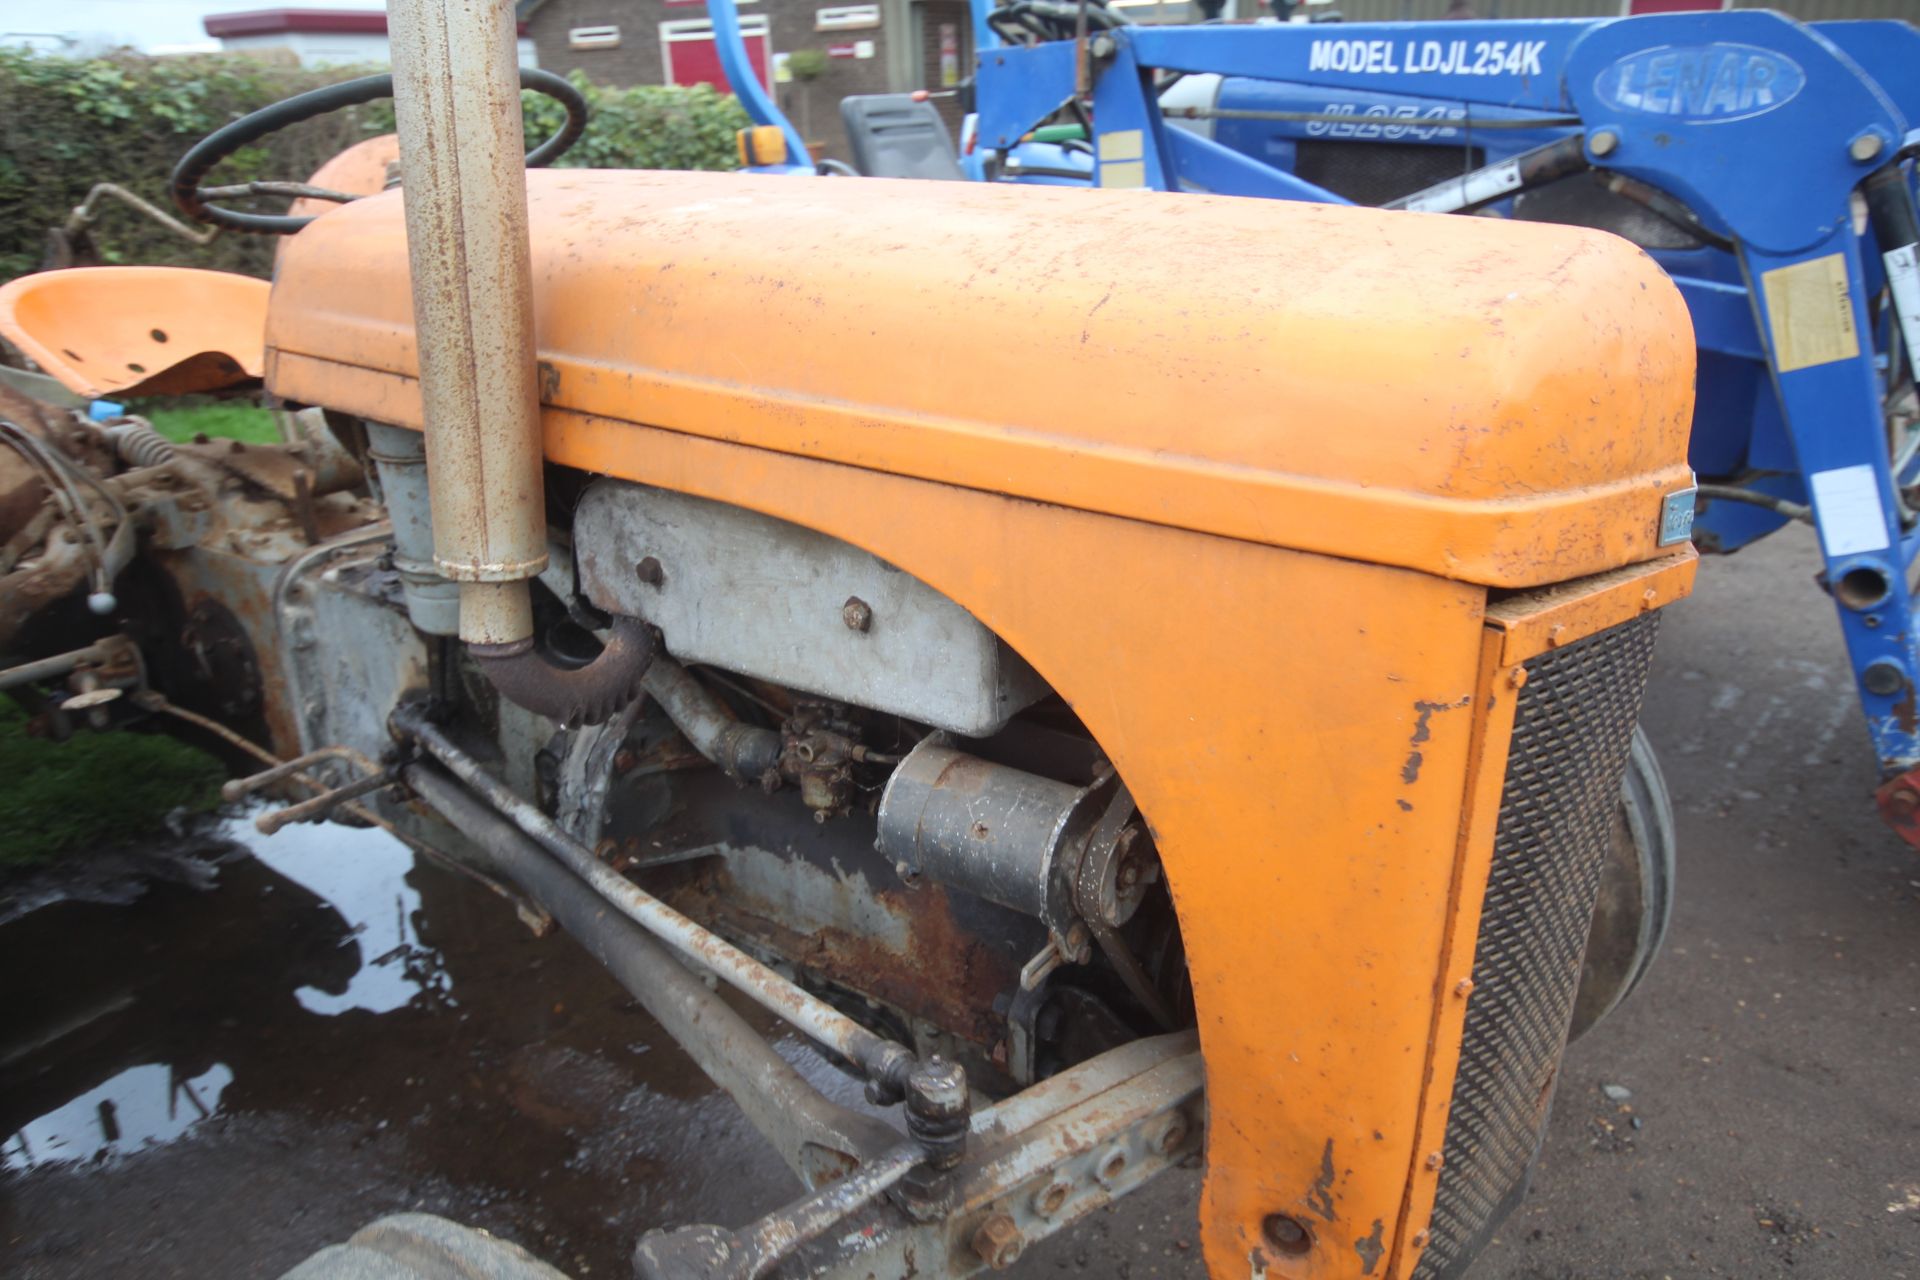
(1051, 1198)
(1422, 1238)
(1884, 677)
(1517, 677)
(1604, 143)
(650, 572)
(998, 1242)
(1435, 1159)
(1171, 1134)
(1463, 988)
(857, 614)
(939, 1087)
(1866, 147)
(1079, 943)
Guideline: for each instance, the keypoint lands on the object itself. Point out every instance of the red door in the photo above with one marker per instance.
(687, 51)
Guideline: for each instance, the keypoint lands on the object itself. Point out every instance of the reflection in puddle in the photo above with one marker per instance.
(301, 1000)
(137, 1108)
(324, 914)
(361, 874)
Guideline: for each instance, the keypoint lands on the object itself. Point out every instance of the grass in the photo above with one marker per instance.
(219, 419)
(93, 789)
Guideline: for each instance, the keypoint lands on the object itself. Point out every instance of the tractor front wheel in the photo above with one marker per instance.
(1636, 892)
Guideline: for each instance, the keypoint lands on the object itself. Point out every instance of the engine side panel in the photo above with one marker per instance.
(770, 599)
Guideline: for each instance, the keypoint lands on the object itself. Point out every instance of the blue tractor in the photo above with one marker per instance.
(1766, 164)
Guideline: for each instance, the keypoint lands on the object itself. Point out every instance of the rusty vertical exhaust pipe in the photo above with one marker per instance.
(456, 89)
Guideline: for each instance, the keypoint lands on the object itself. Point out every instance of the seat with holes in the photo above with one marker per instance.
(128, 331)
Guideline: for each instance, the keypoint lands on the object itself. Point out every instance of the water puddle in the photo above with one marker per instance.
(200, 919)
(333, 1029)
(138, 1108)
(361, 874)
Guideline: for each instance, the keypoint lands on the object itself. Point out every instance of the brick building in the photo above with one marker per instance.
(879, 47)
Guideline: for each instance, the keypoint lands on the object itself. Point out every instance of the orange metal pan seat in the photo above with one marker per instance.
(138, 331)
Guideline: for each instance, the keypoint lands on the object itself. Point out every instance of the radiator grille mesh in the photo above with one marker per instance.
(1572, 727)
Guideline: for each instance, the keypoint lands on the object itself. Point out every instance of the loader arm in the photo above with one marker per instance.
(1668, 129)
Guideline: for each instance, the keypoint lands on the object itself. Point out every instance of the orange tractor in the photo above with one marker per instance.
(1130, 677)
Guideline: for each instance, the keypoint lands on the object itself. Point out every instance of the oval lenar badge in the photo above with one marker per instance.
(1701, 83)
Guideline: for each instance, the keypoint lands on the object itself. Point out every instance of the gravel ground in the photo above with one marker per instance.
(1756, 1124)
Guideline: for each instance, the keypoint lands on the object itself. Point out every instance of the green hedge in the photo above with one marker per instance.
(67, 124)
(649, 126)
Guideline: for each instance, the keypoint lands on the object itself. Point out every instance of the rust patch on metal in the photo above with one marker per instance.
(1422, 731)
(1320, 1198)
(52, 577)
(1898, 799)
(1369, 1247)
(244, 589)
(956, 993)
(1903, 711)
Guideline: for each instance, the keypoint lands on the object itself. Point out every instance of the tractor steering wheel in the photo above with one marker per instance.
(224, 141)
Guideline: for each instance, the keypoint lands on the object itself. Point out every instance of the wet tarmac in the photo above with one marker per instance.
(217, 1081)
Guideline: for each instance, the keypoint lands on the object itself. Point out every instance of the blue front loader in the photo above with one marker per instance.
(1766, 164)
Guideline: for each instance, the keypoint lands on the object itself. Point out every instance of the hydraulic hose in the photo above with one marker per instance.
(1754, 498)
